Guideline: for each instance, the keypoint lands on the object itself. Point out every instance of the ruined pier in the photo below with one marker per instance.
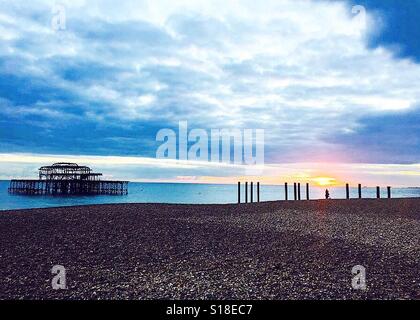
(67, 179)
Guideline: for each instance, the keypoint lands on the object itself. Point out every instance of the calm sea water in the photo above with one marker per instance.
(181, 193)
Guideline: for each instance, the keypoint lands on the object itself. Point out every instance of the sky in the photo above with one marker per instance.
(335, 87)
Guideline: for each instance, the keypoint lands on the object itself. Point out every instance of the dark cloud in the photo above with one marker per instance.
(391, 138)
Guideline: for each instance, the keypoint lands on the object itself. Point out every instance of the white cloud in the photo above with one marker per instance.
(298, 68)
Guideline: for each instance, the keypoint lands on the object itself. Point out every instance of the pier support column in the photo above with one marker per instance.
(246, 192)
(299, 191)
(294, 191)
(307, 191)
(286, 192)
(239, 192)
(258, 192)
(378, 192)
(252, 192)
(347, 191)
(389, 192)
(360, 191)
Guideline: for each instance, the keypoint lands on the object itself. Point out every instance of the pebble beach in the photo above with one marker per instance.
(273, 250)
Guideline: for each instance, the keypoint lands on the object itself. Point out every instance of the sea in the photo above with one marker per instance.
(186, 193)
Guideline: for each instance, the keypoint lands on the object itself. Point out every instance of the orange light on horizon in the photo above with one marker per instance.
(325, 181)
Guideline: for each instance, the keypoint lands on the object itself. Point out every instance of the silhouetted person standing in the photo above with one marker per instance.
(327, 194)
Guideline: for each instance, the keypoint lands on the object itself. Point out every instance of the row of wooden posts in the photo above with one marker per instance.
(246, 192)
(297, 193)
(359, 191)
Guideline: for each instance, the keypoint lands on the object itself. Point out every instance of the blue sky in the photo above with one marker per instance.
(400, 30)
(325, 87)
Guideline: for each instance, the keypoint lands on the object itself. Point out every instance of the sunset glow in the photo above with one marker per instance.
(325, 181)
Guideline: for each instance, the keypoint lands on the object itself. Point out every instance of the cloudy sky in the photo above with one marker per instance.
(334, 86)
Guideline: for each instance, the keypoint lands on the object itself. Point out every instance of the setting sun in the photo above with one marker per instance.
(325, 181)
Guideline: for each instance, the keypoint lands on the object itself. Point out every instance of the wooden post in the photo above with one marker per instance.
(286, 192)
(252, 192)
(389, 192)
(299, 191)
(307, 191)
(246, 192)
(258, 192)
(347, 191)
(239, 192)
(294, 190)
(378, 192)
(360, 191)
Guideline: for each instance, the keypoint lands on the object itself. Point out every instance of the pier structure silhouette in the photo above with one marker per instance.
(65, 178)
